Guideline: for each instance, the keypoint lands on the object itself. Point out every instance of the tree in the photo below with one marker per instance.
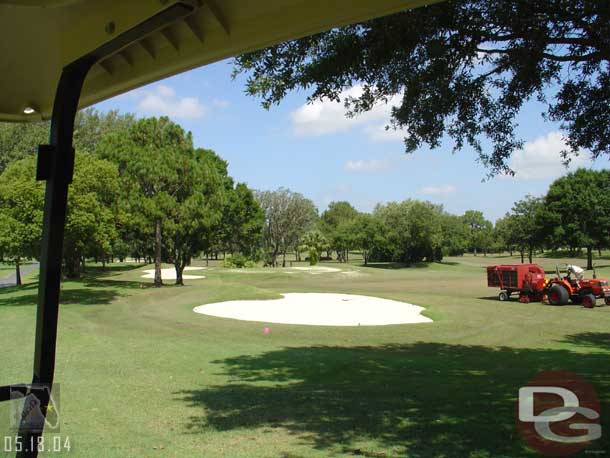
(455, 235)
(92, 215)
(21, 205)
(314, 243)
(91, 212)
(525, 225)
(242, 218)
(462, 68)
(414, 230)
(19, 140)
(336, 222)
(369, 235)
(243, 221)
(576, 211)
(195, 210)
(148, 155)
(479, 228)
(288, 215)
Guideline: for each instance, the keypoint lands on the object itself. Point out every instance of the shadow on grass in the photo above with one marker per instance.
(591, 340)
(94, 288)
(419, 400)
(401, 265)
(83, 296)
(114, 269)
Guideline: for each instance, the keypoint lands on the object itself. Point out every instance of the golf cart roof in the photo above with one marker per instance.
(40, 37)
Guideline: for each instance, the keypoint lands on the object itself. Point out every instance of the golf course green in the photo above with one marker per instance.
(142, 375)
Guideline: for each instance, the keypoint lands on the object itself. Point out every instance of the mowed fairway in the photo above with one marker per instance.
(141, 375)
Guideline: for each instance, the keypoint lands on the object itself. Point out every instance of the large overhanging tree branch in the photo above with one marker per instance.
(463, 68)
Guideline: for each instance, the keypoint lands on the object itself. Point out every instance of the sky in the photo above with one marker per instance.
(316, 151)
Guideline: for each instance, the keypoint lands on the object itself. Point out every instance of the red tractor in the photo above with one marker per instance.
(574, 287)
(528, 280)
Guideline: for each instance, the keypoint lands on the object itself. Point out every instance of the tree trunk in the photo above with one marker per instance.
(589, 258)
(530, 254)
(158, 280)
(475, 250)
(179, 269)
(366, 257)
(522, 257)
(284, 259)
(17, 273)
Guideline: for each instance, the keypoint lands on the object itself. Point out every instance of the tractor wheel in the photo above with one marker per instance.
(558, 295)
(588, 301)
(503, 296)
(607, 300)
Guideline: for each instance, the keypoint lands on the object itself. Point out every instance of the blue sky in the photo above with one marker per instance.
(315, 150)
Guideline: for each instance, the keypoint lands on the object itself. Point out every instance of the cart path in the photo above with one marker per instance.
(10, 279)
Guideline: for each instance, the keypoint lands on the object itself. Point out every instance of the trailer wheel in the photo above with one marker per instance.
(558, 295)
(607, 300)
(588, 301)
(503, 296)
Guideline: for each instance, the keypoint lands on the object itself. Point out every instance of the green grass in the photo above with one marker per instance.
(143, 376)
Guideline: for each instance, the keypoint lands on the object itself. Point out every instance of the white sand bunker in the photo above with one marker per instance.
(319, 309)
(316, 269)
(170, 274)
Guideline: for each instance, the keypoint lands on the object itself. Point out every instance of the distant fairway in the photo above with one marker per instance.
(142, 375)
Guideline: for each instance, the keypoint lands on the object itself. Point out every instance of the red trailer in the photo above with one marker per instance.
(526, 279)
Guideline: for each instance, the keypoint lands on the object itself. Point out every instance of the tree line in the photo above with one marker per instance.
(142, 190)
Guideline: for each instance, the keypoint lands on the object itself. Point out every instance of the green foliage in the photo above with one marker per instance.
(525, 225)
(480, 231)
(414, 230)
(370, 236)
(314, 243)
(241, 226)
(19, 140)
(456, 235)
(91, 224)
(91, 218)
(238, 261)
(169, 186)
(576, 211)
(287, 217)
(21, 204)
(337, 225)
(462, 68)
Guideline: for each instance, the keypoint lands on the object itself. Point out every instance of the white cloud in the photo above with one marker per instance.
(326, 117)
(379, 133)
(437, 190)
(221, 103)
(373, 165)
(162, 101)
(541, 159)
(166, 91)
